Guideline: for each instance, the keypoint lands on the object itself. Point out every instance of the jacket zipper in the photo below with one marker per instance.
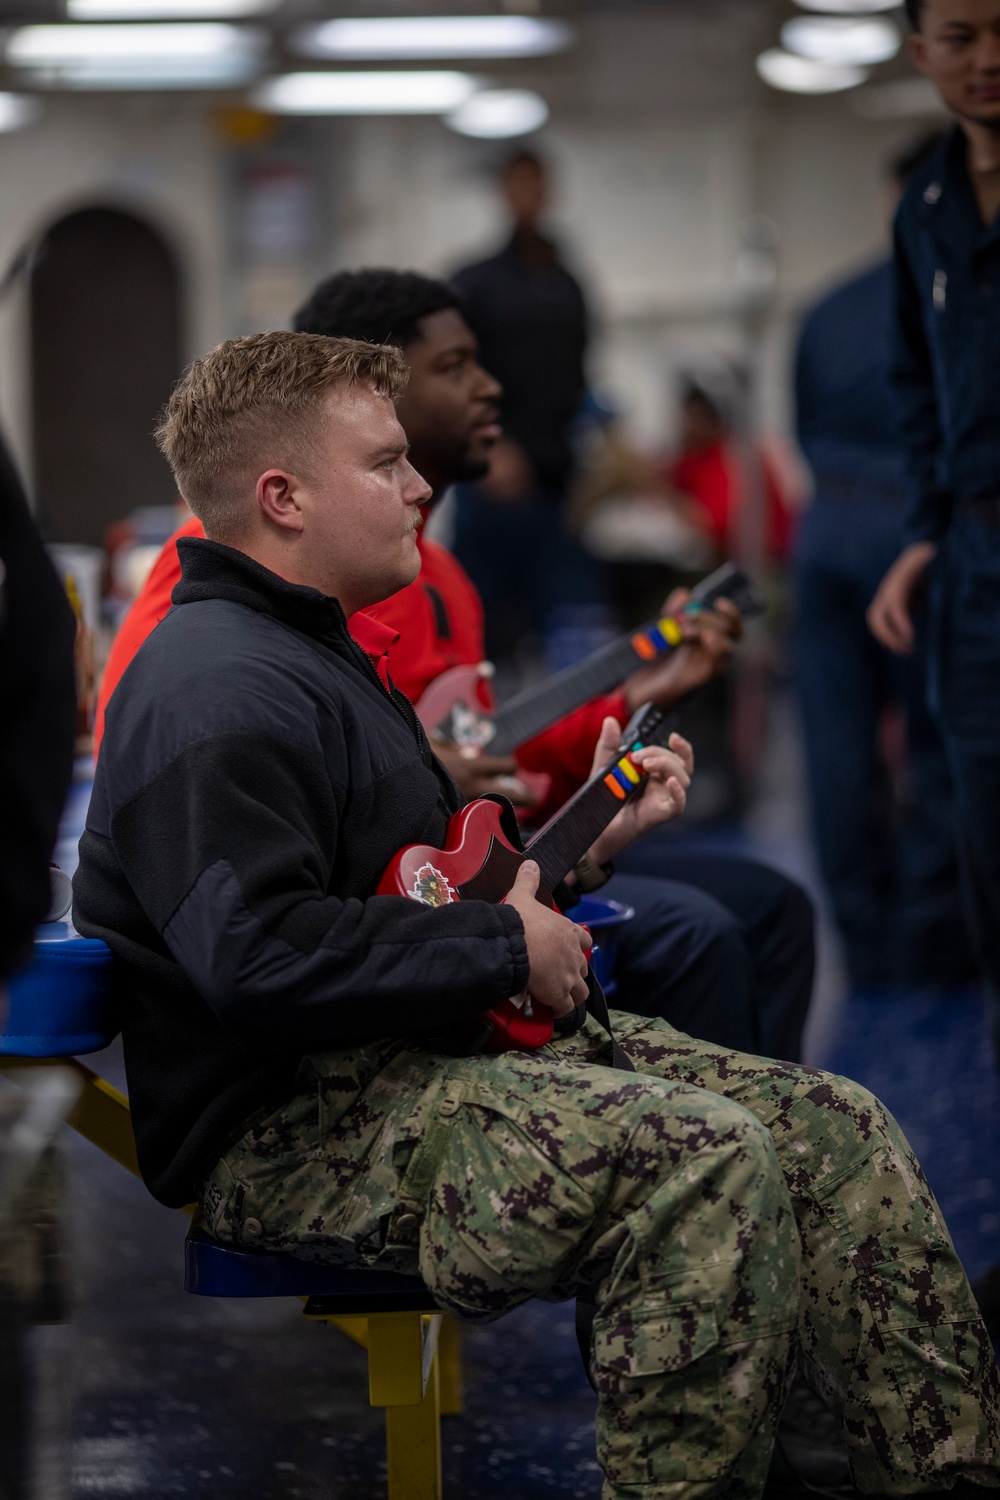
(399, 701)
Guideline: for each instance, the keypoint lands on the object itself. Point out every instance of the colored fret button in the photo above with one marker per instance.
(671, 631)
(613, 786)
(629, 770)
(643, 646)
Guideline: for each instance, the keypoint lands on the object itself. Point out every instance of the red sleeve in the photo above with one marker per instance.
(780, 516)
(439, 620)
(151, 604)
(566, 751)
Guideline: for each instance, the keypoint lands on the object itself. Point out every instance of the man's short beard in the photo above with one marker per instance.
(466, 469)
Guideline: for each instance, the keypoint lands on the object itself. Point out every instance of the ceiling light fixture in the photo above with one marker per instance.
(498, 114)
(389, 93)
(839, 39)
(19, 110)
(182, 55)
(166, 10)
(427, 37)
(800, 75)
(849, 7)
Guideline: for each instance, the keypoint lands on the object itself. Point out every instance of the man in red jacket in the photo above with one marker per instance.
(721, 947)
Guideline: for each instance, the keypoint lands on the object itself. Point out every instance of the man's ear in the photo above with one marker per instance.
(918, 50)
(277, 497)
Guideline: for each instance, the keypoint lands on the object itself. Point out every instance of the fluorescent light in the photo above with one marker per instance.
(193, 55)
(800, 75)
(165, 10)
(18, 110)
(496, 114)
(838, 39)
(849, 7)
(416, 93)
(434, 37)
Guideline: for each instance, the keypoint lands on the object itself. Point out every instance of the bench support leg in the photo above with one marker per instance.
(403, 1377)
(413, 1445)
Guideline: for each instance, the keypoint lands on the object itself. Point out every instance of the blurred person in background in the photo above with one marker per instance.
(740, 489)
(529, 315)
(37, 719)
(710, 466)
(37, 732)
(947, 377)
(885, 840)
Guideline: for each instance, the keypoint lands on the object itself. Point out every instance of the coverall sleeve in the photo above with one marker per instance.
(929, 500)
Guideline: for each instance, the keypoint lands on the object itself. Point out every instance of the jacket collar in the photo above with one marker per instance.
(210, 570)
(948, 205)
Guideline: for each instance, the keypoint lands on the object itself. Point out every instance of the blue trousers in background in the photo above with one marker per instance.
(891, 869)
(965, 697)
(721, 947)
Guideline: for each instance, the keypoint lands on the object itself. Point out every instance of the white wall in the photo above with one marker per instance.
(155, 156)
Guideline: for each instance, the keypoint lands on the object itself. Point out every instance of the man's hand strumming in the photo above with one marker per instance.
(557, 948)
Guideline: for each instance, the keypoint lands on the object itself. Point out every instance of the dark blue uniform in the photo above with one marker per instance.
(947, 374)
(891, 871)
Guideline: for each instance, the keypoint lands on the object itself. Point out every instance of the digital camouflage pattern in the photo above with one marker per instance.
(720, 1209)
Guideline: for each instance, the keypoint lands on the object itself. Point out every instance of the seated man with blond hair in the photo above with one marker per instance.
(287, 1030)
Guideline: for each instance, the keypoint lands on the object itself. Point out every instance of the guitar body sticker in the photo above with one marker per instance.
(432, 888)
(463, 725)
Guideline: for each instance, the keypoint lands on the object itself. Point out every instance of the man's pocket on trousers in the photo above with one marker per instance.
(504, 1210)
(659, 1369)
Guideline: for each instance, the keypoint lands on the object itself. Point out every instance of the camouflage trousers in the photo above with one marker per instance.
(722, 1211)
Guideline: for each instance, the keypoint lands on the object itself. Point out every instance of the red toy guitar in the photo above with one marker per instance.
(481, 859)
(458, 705)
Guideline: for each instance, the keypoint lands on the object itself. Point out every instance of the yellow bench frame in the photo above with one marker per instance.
(414, 1358)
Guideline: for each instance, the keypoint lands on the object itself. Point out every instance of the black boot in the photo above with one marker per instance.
(987, 1293)
(810, 1453)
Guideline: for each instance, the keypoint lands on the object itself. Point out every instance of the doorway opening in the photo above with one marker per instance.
(105, 351)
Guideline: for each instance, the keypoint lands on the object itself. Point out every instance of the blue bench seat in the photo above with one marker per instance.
(215, 1270)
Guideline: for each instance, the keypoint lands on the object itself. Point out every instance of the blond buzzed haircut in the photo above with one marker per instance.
(252, 404)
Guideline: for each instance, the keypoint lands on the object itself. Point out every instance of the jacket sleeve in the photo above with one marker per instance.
(231, 851)
(929, 500)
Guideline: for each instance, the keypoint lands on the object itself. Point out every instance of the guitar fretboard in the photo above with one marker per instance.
(534, 710)
(521, 718)
(567, 837)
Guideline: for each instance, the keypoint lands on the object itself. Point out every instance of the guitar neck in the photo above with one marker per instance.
(531, 712)
(521, 718)
(567, 837)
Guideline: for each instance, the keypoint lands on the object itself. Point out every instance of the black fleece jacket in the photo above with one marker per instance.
(254, 780)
